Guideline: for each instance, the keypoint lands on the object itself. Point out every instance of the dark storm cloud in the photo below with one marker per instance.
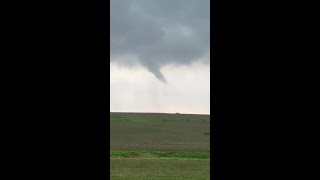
(160, 32)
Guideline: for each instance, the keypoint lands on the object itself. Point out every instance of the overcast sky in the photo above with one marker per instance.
(160, 56)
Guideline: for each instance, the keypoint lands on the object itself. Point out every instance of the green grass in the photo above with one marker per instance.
(159, 146)
(160, 132)
(144, 154)
(159, 169)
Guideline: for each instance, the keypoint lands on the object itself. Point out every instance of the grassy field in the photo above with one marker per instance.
(159, 146)
(166, 169)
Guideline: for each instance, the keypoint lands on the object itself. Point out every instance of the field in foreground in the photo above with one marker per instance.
(159, 146)
(144, 168)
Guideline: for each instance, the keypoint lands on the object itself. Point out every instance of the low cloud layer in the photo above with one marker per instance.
(155, 33)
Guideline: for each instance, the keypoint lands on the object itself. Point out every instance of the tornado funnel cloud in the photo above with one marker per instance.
(157, 73)
(159, 33)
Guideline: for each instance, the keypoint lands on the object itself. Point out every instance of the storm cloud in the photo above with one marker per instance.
(155, 33)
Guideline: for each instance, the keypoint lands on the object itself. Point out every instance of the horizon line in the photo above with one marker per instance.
(158, 113)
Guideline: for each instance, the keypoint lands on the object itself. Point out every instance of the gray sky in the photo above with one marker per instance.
(160, 55)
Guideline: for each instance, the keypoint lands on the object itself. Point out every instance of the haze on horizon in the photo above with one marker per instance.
(160, 56)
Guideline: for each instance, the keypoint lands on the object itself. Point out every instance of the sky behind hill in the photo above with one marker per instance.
(160, 56)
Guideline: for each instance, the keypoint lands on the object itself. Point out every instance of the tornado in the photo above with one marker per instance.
(159, 33)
